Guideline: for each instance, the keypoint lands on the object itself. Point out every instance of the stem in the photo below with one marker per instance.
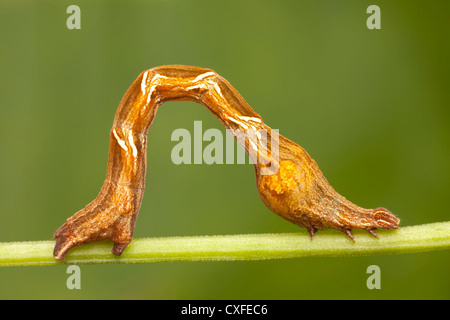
(428, 237)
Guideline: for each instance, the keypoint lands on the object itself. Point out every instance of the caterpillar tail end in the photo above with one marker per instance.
(64, 242)
(385, 219)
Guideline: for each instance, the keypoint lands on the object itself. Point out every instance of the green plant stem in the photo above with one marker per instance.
(428, 237)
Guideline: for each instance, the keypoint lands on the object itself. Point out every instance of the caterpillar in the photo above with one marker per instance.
(289, 181)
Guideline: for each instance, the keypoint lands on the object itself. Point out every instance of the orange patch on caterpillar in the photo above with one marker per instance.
(284, 180)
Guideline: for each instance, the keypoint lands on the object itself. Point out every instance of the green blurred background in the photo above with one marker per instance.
(370, 106)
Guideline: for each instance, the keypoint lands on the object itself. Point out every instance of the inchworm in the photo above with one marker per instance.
(296, 190)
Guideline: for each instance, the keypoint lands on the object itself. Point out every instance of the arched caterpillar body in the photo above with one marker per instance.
(288, 180)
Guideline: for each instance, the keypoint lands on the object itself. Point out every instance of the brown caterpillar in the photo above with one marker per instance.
(288, 180)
